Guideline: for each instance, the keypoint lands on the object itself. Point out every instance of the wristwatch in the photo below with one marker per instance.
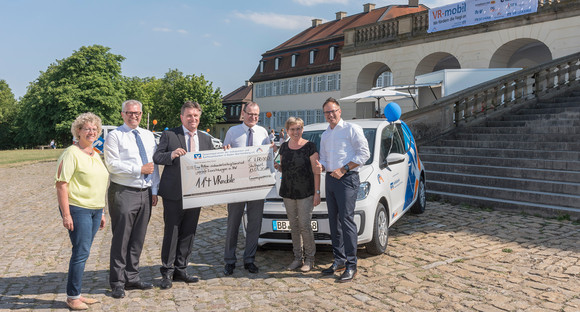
(346, 168)
(317, 191)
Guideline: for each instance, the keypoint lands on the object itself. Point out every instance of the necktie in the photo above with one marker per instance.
(250, 137)
(142, 152)
(191, 142)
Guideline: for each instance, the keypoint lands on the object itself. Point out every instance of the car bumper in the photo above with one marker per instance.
(274, 210)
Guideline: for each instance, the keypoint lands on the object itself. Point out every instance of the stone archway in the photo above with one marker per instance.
(368, 75)
(521, 53)
(436, 61)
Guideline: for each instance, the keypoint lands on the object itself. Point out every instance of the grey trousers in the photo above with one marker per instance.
(299, 213)
(130, 211)
(255, 210)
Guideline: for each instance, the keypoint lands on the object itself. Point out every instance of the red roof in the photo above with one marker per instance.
(321, 38)
(242, 94)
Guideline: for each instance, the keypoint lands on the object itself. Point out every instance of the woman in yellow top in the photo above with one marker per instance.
(81, 182)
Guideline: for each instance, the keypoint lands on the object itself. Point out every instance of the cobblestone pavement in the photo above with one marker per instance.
(450, 258)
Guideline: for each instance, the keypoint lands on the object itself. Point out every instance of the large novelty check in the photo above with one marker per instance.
(217, 176)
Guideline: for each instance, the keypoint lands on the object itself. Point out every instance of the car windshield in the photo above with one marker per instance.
(314, 136)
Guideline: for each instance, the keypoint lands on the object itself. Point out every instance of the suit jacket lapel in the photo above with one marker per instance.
(181, 137)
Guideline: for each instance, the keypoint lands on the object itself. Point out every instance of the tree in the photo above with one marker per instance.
(8, 110)
(88, 81)
(175, 88)
(142, 90)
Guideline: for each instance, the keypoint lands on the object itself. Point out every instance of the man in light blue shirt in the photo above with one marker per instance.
(343, 148)
(246, 134)
(134, 178)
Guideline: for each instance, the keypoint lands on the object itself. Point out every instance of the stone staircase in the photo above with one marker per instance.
(528, 160)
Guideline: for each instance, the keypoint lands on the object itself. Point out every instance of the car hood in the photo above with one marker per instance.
(364, 174)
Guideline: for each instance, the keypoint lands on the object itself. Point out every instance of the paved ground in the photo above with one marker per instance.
(450, 258)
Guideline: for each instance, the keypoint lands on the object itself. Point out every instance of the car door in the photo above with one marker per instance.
(394, 169)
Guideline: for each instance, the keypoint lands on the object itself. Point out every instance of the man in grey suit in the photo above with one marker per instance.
(180, 223)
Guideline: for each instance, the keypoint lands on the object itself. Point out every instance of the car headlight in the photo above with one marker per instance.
(363, 191)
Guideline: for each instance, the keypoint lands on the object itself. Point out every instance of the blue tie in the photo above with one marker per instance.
(142, 152)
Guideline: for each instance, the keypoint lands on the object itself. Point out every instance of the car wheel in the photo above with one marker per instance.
(378, 244)
(419, 206)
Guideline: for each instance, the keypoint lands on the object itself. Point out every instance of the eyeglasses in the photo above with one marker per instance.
(89, 129)
(331, 112)
(136, 114)
(251, 114)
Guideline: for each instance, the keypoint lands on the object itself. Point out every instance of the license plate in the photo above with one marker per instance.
(284, 225)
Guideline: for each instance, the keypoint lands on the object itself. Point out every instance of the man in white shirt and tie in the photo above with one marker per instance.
(132, 191)
(343, 148)
(246, 134)
(180, 222)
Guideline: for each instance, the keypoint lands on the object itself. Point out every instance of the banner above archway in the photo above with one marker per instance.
(472, 12)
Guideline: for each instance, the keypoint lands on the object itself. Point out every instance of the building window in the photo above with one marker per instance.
(384, 80)
(331, 53)
(294, 59)
(262, 66)
(312, 56)
(277, 63)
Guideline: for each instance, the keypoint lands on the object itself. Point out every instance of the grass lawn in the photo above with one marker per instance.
(22, 156)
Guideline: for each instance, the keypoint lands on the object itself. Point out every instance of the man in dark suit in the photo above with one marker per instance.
(180, 223)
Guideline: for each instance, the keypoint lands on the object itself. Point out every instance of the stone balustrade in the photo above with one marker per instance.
(489, 99)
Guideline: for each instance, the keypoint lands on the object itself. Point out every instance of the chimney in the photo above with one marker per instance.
(413, 3)
(248, 83)
(316, 22)
(369, 7)
(340, 15)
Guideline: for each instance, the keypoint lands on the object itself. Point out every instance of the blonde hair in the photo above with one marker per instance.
(82, 120)
(294, 121)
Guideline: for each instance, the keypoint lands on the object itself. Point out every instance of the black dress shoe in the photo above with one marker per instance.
(229, 269)
(118, 292)
(166, 282)
(347, 275)
(185, 278)
(251, 267)
(138, 285)
(333, 268)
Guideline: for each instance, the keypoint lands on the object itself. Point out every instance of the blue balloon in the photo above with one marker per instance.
(392, 112)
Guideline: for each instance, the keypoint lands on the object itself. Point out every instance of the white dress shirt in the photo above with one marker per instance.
(195, 139)
(123, 160)
(343, 144)
(237, 136)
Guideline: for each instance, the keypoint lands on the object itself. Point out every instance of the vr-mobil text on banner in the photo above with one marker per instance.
(472, 12)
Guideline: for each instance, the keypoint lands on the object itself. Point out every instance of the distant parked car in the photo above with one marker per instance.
(392, 183)
(217, 143)
(157, 136)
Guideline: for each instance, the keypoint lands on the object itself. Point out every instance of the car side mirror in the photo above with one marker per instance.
(394, 158)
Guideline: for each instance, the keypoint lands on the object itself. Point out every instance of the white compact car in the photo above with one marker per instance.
(392, 183)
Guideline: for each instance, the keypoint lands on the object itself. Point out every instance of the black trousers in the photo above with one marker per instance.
(178, 236)
(130, 211)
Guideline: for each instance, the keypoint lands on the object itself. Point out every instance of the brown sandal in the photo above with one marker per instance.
(89, 300)
(76, 304)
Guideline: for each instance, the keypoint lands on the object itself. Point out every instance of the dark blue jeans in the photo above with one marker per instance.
(341, 201)
(86, 223)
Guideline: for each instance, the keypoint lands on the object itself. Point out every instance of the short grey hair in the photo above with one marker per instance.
(132, 102)
(84, 119)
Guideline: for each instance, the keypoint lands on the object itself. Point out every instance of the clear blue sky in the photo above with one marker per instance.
(222, 40)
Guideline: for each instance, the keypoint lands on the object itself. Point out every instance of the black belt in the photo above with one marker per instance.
(136, 189)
